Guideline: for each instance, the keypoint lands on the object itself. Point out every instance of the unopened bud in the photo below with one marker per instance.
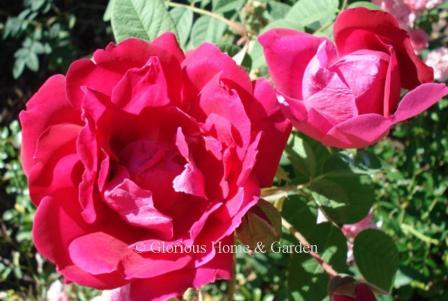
(345, 288)
(261, 225)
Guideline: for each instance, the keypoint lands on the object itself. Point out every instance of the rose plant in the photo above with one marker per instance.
(143, 157)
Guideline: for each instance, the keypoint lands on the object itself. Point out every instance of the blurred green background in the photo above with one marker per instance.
(42, 37)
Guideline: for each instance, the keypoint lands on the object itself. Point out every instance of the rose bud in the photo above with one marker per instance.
(362, 292)
(142, 158)
(347, 94)
(346, 288)
(261, 226)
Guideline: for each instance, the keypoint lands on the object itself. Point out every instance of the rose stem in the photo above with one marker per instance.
(326, 266)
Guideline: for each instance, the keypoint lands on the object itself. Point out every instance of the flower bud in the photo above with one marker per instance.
(261, 225)
(346, 288)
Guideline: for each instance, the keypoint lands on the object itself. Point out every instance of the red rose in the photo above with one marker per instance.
(347, 94)
(361, 292)
(141, 154)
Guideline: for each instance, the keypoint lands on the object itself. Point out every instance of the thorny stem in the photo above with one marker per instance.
(325, 265)
(280, 192)
(272, 196)
(234, 26)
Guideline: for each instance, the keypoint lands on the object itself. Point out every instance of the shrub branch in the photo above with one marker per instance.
(325, 265)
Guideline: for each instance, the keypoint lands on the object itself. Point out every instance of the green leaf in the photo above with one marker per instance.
(306, 278)
(202, 3)
(365, 4)
(183, 19)
(278, 9)
(108, 11)
(367, 160)
(222, 6)
(283, 23)
(12, 27)
(230, 48)
(140, 19)
(307, 12)
(37, 47)
(376, 257)
(343, 190)
(32, 61)
(206, 29)
(36, 4)
(19, 66)
(344, 196)
(307, 156)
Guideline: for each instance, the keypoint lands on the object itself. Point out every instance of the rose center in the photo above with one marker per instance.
(141, 184)
(144, 157)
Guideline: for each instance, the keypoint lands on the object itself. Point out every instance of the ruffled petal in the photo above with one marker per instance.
(142, 88)
(418, 100)
(55, 152)
(97, 253)
(191, 180)
(287, 54)
(56, 225)
(392, 86)
(228, 217)
(136, 206)
(85, 73)
(335, 101)
(49, 106)
(365, 72)
(317, 73)
(87, 149)
(174, 284)
(412, 70)
(216, 99)
(205, 62)
(267, 116)
(359, 131)
(109, 65)
(109, 281)
(134, 53)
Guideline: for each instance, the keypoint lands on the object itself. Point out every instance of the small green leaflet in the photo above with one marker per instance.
(140, 19)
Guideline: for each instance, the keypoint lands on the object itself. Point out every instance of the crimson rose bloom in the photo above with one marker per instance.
(141, 158)
(361, 292)
(348, 94)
